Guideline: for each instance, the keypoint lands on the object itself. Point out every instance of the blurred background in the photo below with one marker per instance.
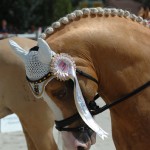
(28, 18)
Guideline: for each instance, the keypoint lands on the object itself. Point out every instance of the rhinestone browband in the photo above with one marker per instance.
(41, 79)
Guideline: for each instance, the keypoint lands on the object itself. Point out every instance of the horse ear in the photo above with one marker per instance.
(44, 53)
(18, 50)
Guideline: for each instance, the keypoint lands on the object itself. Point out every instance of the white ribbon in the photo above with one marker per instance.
(82, 108)
(63, 67)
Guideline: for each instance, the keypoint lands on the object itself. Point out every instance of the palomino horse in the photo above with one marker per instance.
(15, 97)
(111, 50)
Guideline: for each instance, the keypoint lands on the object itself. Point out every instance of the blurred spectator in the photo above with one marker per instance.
(4, 28)
(13, 29)
(32, 29)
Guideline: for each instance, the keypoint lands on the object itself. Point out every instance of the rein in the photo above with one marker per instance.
(95, 109)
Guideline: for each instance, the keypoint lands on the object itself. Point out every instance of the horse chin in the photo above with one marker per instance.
(70, 142)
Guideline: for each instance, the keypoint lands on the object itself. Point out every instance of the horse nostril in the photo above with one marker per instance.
(80, 148)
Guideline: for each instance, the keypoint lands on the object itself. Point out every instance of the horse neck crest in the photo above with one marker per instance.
(100, 12)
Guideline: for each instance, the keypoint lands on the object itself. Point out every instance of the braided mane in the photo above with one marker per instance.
(93, 11)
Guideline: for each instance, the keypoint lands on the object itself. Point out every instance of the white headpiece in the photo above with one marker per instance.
(37, 63)
(44, 65)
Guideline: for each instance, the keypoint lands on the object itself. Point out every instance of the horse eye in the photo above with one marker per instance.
(60, 93)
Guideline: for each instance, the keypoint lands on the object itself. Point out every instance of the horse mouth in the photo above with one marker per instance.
(80, 148)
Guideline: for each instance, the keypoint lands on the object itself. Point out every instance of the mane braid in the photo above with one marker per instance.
(93, 11)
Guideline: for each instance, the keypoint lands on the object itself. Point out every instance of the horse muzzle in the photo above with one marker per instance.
(81, 140)
(84, 139)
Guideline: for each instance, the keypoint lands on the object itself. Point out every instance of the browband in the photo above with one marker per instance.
(50, 73)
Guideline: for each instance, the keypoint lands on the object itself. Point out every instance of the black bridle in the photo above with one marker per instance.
(92, 106)
(95, 109)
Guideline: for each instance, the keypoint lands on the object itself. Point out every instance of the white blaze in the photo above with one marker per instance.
(56, 110)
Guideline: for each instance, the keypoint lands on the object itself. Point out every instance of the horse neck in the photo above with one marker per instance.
(121, 59)
(117, 48)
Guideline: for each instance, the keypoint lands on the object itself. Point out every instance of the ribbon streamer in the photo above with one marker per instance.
(82, 108)
(64, 68)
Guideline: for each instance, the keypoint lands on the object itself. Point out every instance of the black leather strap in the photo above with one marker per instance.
(94, 109)
(115, 102)
(63, 123)
(86, 75)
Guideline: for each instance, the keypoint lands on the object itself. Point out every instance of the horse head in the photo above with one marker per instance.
(54, 77)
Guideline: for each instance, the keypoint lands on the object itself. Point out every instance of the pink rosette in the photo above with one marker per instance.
(61, 66)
